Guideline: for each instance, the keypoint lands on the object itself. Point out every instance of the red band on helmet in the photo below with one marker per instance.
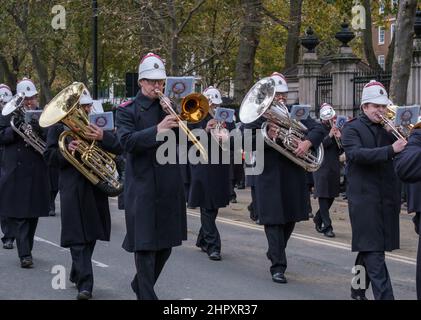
(375, 83)
(151, 55)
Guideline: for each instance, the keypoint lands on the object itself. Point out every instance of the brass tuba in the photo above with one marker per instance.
(259, 102)
(194, 108)
(97, 165)
(25, 130)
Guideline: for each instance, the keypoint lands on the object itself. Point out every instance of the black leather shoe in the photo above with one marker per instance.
(358, 296)
(216, 256)
(52, 213)
(234, 200)
(310, 215)
(279, 277)
(202, 247)
(26, 263)
(329, 233)
(84, 295)
(8, 244)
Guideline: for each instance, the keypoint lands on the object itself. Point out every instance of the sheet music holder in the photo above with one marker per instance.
(300, 112)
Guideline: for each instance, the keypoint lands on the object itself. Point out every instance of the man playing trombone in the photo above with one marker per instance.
(373, 190)
(154, 198)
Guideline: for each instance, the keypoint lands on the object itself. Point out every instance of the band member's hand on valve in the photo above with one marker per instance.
(72, 146)
(96, 133)
(302, 148)
(398, 145)
(167, 123)
(211, 124)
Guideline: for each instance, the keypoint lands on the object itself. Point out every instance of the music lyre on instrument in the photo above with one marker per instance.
(328, 114)
(194, 108)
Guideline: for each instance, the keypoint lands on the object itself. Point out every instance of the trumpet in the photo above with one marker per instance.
(194, 108)
(389, 118)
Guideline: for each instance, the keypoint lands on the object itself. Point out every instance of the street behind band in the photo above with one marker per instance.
(155, 199)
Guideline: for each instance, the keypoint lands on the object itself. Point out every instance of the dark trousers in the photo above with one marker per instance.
(53, 195)
(7, 229)
(24, 234)
(81, 273)
(322, 215)
(376, 273)
(149, 265)
(208, 237)
(278, 236)
(253, 212)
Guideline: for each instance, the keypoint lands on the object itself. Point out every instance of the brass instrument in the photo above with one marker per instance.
(259, 102)
(25, 130)
(97, 165)
(219, 132)
(328, 114)
(194, 108)
(402, 132)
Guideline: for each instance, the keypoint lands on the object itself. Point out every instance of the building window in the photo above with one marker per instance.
(395, 4)
(380, 60)
(392, 30)
(381, 35)
(381, 7)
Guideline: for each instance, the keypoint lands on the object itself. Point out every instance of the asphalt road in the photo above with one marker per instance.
(318, 268)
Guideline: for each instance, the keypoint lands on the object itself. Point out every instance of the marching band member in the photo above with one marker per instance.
(210, 186)
(24, 189)
(373, 190)
(85, 213)
(281, 188)
(407, 166)
(5, 223)
(327, 178)
(154, 197)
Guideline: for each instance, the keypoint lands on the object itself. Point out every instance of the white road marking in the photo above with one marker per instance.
(97, 263)
(303, 237)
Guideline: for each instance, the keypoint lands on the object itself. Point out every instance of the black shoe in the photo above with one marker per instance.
(234, 200)
(26, 263)
(241, 186)
(52, 213)
(358, 295)
(318, 226)
(416, 221)
(279, 277)
(8, 244)
(202, 247)
(329, 233)
(84, 295)
(310, 215)
(215, 256)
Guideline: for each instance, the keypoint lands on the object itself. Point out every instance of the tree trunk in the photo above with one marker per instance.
(368, 39)
(293, 46)
(403, 51)
(390, 54)
(249, 41)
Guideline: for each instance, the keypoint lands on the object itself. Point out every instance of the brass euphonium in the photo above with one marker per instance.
(97, 165)
(259, 102)
(194, 108)
(25, 130)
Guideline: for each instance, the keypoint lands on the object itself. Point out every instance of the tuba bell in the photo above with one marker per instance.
(259, 102)
(16, 108)
(97, 165)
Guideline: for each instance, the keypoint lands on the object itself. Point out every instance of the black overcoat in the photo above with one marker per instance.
(85, 213)
(24, 185)
(327, 178)
(281, 189)
(154, 193)
(408, 168)
(373, 188)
